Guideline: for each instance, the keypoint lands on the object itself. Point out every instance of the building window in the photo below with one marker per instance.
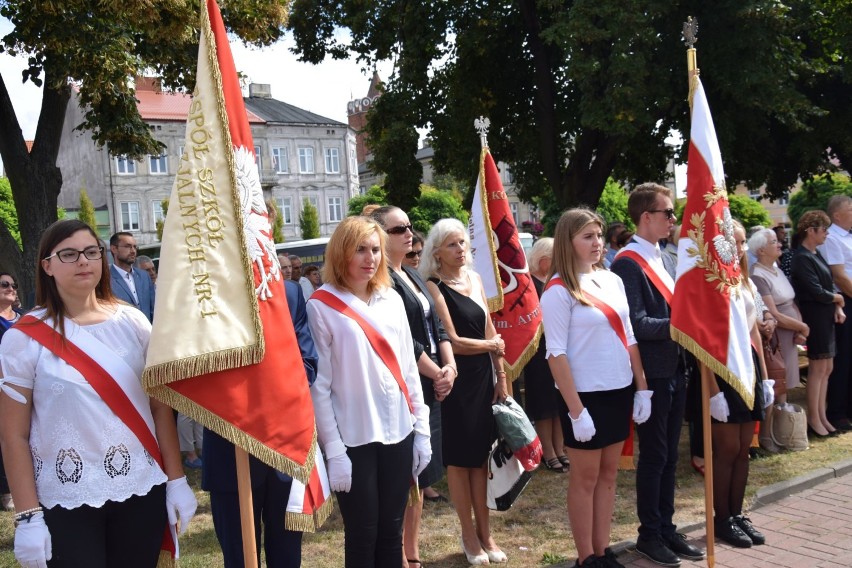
(306, 160)
(125, 166)
(280, 160)
(158, 165)
(258, 159)
(506, 175)
(335, 209)
(157, 210)
(285, 209)
(754, 193)
(129, 215)
(332, 161)
(513, 206)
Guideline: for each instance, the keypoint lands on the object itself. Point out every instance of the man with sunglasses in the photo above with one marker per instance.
(130, 284)
(648, 277)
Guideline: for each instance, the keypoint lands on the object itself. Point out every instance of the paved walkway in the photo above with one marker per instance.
(806, 521)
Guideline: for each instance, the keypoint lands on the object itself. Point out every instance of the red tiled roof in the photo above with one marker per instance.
(171, 106)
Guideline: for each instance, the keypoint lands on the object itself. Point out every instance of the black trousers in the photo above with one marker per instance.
(839, 405)
(127, 533)
(269, 498)
(373, 508)
(658, 441)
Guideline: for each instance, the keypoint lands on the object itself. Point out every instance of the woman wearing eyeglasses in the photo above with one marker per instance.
(93, 463)
(432, 351)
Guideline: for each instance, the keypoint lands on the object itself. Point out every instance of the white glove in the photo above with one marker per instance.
(768, 392)
(180, 502)
(642, 406)
(32, 542)
(422, 454)
(583, 426)
(340, 473)
(719, 407)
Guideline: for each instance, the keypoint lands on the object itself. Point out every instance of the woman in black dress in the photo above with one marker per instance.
(821, 308)
(432, 351)
(467, 424)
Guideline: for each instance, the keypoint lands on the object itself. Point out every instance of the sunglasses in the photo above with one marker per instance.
(413, 254)
(669, 212)
(5, 284)
(400, 230)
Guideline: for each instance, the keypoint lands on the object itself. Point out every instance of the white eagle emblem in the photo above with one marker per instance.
(256, 228)
(726, 246)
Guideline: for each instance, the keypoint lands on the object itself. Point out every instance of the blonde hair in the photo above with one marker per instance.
(564, 260)
(439, 232)
(348, 235)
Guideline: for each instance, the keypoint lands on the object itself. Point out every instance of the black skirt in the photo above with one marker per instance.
(820, 320)
(739, 412)
(611, 411)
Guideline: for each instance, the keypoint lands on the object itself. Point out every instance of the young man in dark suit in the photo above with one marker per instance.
(648, 277)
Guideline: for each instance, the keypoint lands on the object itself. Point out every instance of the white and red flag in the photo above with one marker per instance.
(500, 260)
(708, 312)
(223, 350)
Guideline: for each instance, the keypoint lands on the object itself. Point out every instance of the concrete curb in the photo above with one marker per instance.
(764, 496)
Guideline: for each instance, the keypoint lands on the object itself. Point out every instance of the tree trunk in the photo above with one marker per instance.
(34, 176)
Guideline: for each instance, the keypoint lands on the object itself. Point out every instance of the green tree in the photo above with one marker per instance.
(613, 204)
(434, 205)
(87, 211)
(816, 193)
(375, 195)
(164, 204)
(277, 221)
(748, 211)
(309, 221)
(98, 47)
(8, 213)
(583, 90)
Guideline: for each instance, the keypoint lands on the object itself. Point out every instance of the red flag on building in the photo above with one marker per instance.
(708, 313)
(500, 260)
(223, 350)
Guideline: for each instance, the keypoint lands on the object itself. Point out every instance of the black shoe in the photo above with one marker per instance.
(677, 544)
(729, 531)
(608, 560)
(843, 425)
(814, 434)
(745, 524)
(656, 551)
(590, 562)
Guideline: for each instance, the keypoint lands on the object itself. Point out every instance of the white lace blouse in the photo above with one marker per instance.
(83, 454)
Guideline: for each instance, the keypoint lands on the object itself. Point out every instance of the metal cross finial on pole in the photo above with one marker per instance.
(690, 36)
(482, 124)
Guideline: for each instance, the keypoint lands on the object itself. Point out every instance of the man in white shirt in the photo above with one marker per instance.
(837, 251)
(130, 284)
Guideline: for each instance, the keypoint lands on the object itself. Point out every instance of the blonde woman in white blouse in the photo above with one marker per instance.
(90, 489)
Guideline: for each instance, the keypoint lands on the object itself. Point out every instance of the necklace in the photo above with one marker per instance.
(452, 281)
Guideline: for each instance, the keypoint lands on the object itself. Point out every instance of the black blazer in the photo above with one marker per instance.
(219, 472)
(650, 317)
(420, 327)
(811, 277)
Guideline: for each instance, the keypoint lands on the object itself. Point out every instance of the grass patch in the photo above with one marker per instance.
(534, 533)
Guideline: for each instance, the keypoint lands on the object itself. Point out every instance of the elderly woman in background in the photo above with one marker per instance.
(821, 307)
(542, 397)
(778, 295)
(467, 425)
(432, 351)
(371, 420)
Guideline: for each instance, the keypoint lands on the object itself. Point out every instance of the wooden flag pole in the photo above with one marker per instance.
(246, 508)
(706, 377)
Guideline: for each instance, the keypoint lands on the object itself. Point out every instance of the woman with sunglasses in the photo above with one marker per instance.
(412, 257)
(432, 351)
(93, 463)
(8, 316)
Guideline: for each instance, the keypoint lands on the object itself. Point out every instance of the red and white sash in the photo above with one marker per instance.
(659, 278)
(111, 378)
(611, 315)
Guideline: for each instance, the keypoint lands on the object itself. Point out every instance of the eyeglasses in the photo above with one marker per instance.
(669, 212)
(7, 284)
(414, 253)
(72, 255)
(400, 230)
(134, 247)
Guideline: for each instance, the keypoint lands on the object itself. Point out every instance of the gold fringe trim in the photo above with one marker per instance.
(495, 303)
(309, 523)
(235, 196)
(180, 369)
(166, 560)
(514, 371)
(714, 365)
(252, 445)
(413, 494)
